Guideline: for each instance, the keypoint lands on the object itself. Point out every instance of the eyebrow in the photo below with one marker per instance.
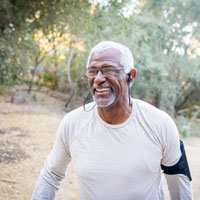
(102, 66)
(108, 65)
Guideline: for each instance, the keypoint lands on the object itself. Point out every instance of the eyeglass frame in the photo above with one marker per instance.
(115, 69)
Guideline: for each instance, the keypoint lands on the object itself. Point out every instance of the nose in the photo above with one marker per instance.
(99, 78)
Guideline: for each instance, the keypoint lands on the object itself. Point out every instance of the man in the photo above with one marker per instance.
(117, 144)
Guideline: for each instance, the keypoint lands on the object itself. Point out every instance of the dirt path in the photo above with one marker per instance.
(27, 133)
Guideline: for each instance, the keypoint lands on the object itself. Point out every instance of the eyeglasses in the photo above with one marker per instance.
(107, 71)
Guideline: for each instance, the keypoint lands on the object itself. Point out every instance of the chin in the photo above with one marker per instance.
(103, 103)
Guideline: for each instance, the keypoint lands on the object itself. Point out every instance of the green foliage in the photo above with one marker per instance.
(14, 32)
(12, 67)
(167, 78)
(183, 125)
(34, 96)
(48, 78)
(162, 35)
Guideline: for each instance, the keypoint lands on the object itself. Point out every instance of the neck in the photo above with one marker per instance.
(115, 114)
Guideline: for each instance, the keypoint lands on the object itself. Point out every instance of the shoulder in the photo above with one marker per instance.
(161, 128)
(149, 111)
(158, 121)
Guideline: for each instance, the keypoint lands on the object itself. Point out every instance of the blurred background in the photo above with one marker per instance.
(44, 47)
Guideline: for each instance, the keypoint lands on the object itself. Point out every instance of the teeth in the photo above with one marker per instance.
(102, 89)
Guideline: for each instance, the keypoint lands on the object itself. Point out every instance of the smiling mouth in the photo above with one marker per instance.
(102, 89)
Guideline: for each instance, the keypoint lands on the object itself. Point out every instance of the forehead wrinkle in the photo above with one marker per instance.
(98, 64)
(106, 57)
(98, 55)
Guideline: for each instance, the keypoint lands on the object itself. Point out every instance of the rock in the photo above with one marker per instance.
(18, 98)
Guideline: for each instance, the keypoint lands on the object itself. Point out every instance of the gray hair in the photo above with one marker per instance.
(126, 55)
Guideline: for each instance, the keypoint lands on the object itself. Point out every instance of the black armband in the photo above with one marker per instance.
(181, 167)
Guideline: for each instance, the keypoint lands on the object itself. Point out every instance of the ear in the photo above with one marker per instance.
(132, 73)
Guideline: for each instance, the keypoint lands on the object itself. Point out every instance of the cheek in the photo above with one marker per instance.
(118, 84)
(122, 87)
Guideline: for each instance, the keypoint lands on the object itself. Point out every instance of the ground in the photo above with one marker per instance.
(27, 133)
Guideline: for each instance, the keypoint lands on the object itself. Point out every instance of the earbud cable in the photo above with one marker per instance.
(85, 99)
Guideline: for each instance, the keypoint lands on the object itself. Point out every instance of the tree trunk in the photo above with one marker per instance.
(36, 64)
(157, 99)
(32, 78)
(71, 83)
(31, 83)
(178, 105)
(55, 85)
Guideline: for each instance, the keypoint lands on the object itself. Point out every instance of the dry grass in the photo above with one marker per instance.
(27, 133)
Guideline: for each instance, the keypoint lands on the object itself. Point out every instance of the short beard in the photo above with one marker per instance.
(104, 102)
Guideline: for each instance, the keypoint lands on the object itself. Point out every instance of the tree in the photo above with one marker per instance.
(14, 31)
(160, 36)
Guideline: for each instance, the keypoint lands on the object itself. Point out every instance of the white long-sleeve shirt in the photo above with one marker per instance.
(115, 162)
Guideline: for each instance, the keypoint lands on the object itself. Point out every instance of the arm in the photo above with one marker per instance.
(179, 178)
(54, 169)
(180, 187)
(174, 163)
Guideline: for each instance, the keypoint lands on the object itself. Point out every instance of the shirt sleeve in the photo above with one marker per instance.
(170, 142)
(55, 167)
(179, 186)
